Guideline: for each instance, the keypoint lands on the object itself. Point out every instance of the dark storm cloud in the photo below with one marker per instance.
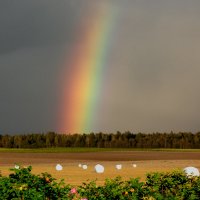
(27, 87)
(27, 23)
(151, 81)
(34, 36)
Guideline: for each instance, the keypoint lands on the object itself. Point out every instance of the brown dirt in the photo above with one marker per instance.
(32, 158)
(145, 161)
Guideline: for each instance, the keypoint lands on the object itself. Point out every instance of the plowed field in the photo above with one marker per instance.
(145, 161)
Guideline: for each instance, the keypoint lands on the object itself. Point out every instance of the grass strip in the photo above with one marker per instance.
(85, 149)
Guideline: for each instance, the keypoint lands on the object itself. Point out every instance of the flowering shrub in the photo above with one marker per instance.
(21, 184)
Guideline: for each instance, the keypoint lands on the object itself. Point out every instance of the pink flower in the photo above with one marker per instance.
(73, 191)
(84, 199)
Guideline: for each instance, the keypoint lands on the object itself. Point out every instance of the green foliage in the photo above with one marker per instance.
(21, 184)
(175, 185)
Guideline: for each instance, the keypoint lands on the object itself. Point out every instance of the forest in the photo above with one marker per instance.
(181, 140)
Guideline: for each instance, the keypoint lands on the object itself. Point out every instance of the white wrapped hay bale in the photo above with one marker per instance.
(59, 167)
(134, 165)
(118, 167)
(99, 168)
(79, 165)
(191, 171)
(84, 167)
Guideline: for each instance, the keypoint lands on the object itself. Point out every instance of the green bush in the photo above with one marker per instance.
(21, 184)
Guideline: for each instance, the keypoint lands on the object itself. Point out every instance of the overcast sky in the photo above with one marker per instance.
(152, 81)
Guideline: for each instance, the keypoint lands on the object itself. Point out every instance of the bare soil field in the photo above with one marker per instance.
(145, 161)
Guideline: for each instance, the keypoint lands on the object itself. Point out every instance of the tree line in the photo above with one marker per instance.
(182, 140)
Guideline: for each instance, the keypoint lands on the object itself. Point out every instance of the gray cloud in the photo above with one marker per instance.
(156, 80)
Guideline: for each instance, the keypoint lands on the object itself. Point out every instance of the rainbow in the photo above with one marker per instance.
(84, 71)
